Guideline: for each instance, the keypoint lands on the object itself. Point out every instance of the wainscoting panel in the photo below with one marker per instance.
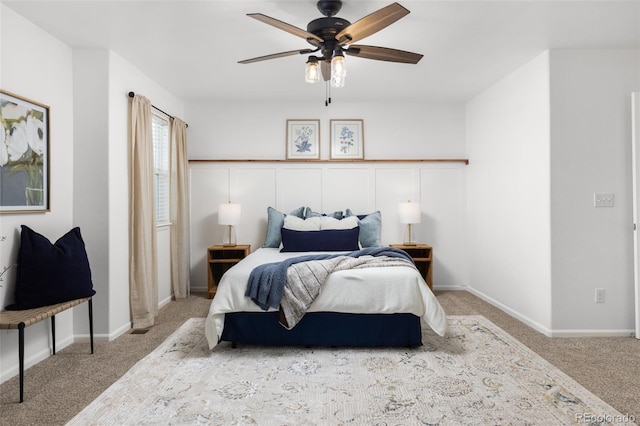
(394, 185)
(326, 187)
(255, 190)
(443, 209)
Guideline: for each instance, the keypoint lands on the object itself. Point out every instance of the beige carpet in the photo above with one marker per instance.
(478, 374)
(61, 386)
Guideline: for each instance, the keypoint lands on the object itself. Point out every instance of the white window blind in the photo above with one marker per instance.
(160, 134)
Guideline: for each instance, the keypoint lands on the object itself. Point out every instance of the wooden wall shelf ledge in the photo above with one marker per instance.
(407, 160)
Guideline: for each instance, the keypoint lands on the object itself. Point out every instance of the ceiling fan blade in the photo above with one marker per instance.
(371, 23)
(276, 55)
(325, 68)
(311, 38)
(383, 54)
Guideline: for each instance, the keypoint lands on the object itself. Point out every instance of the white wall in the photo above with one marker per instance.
(91, 183)
(508, 194)
(591, 152)
(125, 78)
(541, 142)
(36, 66)
(258, 131)
(104, 79)
(87, 94)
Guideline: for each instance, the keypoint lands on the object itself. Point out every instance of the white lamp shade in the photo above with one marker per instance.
(409, 212)
(229, 214)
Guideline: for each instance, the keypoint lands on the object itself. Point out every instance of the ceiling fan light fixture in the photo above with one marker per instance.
(334, 37)
(312, 70)
(338, 68)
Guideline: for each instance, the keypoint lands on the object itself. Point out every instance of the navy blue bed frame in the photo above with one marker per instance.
(324, 329)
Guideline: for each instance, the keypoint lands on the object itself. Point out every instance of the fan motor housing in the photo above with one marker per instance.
(327, 27)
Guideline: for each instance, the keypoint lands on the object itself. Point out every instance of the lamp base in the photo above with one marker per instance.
(229, 237)
(408, 236)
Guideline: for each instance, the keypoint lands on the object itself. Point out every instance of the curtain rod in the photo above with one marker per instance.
(132, 94)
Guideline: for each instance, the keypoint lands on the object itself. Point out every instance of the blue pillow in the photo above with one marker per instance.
(51, 273)
(370, 228)
(275, 220)
(327, 240)
(310, 213)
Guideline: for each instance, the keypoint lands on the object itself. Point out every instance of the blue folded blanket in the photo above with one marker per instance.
(266, 282)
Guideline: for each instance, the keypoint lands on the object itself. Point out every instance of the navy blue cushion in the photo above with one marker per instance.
(51, 273)
(325, 240)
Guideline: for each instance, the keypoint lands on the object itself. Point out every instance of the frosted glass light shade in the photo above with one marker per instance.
(409, 212)
(338, 71)
(312, 71)
(229, 214)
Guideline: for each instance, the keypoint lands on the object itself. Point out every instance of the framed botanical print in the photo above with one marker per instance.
(347, 139)
(303, 139)
(24, 155)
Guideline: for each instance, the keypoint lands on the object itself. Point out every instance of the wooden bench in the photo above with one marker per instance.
(22, 319)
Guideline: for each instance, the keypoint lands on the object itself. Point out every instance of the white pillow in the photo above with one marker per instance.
(298, 224)
(327, 222)
(314, 221)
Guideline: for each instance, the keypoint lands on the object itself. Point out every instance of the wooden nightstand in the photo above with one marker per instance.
(422, 255)
(219, 259)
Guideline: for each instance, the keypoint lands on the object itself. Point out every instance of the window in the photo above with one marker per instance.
(160, 135)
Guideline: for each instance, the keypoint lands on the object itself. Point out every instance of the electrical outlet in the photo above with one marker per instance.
(599, 295)
(603, 199)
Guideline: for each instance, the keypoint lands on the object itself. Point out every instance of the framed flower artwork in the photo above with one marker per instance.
(24, 155)
(303, 139)
(347, 139)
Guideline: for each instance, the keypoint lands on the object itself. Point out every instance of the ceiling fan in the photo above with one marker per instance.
(333, 37)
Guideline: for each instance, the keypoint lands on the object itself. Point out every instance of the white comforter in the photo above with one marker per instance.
(360, 291)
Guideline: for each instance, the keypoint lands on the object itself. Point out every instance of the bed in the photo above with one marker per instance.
(368, 306)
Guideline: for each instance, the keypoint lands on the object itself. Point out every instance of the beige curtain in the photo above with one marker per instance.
(143, 256)
(179, 202)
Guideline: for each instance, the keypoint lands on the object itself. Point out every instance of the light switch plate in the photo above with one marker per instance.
(603, 199)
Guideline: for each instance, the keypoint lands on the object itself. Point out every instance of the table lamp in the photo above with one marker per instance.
(229, 215)
(409, 213)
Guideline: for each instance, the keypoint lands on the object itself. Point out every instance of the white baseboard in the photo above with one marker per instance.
(550, 332)
(86, 338)
(451, 287)
(528, 321)
(119, 332)
(199, 289)
(497, 304)
(593, 333)
(164, 302)
(33, 359)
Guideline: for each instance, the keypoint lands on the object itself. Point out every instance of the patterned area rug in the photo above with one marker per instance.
(478, 374)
